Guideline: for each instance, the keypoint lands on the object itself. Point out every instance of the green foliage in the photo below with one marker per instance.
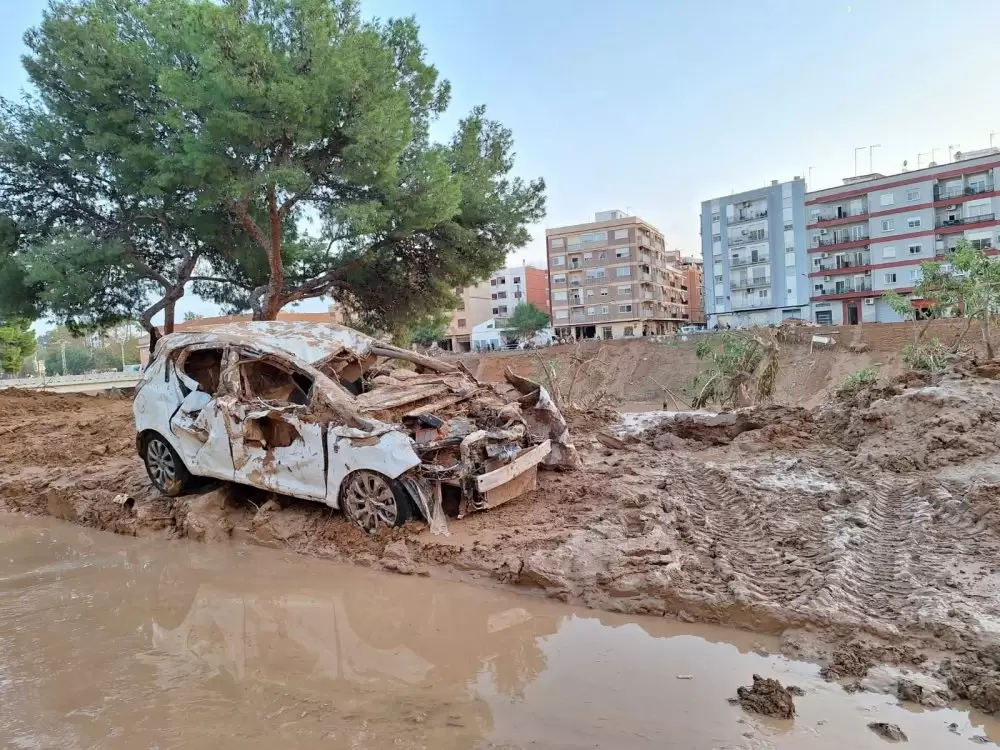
(190, 315)
(17, 343)
(740, 370)
(526, 320)
(79, 360)
(931, 356)
(859, 379)
(430, 328)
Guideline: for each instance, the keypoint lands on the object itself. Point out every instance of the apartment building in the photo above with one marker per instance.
(753, 246)
(475, 306)
(694, 269)
(872, 233)
(512, 286)
(610, 278)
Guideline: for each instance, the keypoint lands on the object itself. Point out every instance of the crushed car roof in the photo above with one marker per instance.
(308, 342)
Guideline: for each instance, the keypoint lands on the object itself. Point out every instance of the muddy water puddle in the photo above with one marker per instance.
(113, 642)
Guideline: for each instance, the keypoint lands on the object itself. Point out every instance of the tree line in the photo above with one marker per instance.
(257, 152)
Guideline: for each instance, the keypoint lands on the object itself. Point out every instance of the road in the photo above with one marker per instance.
(89, 383)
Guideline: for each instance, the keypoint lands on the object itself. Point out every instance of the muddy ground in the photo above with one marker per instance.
(866, 531)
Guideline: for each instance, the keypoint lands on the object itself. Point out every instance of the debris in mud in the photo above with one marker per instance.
(978, 684)
(888, 731)
(795, 690)
(912, 691)
(767, 697)
(856, 657)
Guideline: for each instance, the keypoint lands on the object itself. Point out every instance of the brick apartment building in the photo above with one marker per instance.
(695, 271)
(872, 233)
(512, 286)
(612, 278)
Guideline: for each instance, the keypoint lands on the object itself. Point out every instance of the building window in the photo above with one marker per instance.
(606, 332)
(590, 292)
(715, 217)
(718, 277)
(720, 301)
(493, 282)
(625, 290)
(558, 278)
(888, 225)
(788, 225)
(824, 317)
(912, 195)
(889, 252)
(493, 296)
(621, 234)
(916, 249)
(496, 310)
(624, 308)
(595, 273)
(503, 309)
(562, 313)
(913, 222)
(501, 295)
(461, 322)
(604, 291)
(886, 199)
(815, 240)
(517, 280)
(915, 274)
(591, 311)
(557, 242)
(605, 309)
(559, 296)
(621, 252)
(593, 238)
(588, 256)
(629, 330)
(517, 295)
(622, 271)
(890, 278)
(981, 244)
(716, 238)
(559, 260)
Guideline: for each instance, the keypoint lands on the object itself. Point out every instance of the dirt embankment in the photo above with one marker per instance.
(872, 521)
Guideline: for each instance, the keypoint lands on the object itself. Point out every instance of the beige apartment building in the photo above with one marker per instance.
(476, 306)
(613, 278)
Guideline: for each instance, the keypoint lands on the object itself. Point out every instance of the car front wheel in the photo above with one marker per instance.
(164, 466)
(371, 500)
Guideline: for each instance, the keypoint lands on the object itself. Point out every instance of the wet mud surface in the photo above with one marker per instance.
(865, 532)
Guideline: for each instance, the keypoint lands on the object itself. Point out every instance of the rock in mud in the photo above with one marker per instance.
(888, 731)
(978, 685)
(767, 697)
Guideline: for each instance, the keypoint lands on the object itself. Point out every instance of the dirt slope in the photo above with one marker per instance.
(870, 520)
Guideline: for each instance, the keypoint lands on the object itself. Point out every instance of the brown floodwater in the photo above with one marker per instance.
(114, 642)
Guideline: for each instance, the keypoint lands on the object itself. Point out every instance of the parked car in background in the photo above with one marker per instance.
(325, 413)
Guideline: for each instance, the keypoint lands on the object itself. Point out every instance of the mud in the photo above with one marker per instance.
(866, 530)
(768, 697)
(888, 731)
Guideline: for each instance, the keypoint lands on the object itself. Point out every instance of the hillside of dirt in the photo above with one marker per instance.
(866, 530)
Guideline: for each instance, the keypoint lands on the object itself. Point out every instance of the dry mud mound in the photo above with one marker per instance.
(768, 697)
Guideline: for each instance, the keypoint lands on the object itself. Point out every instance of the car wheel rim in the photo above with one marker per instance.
(160, 462)
(369, 501)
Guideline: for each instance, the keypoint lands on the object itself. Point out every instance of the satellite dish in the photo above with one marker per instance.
(904, 162)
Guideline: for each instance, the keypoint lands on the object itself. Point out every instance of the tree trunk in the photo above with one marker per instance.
(986, 334)
(168, 316)
(275, 262)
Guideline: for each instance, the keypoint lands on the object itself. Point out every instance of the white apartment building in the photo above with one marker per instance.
(872, 233)
(753, 245)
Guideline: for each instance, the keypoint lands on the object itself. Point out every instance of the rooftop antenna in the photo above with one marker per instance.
(904, 165)
(933, 159)
(870, 149)
(920, 156)
(859, 148)
(952, 147)
(809, 174)
(991, 137)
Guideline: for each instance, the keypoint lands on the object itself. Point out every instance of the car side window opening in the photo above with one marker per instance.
(267, 379)
(204, 366)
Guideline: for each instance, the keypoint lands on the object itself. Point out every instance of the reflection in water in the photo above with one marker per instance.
(118, 643)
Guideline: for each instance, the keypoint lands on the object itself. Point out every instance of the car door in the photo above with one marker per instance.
(198, 425)
(274, 446)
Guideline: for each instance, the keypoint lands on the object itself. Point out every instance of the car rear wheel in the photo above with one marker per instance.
(371, 500)
(164, 466)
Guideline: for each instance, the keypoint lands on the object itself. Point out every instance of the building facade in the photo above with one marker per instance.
(872, 233)
(516, 284)
(753, 246)
(611, 278)
(695, 271)
(475, 307)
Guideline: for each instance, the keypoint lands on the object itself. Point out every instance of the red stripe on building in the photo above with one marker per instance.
(899, 183)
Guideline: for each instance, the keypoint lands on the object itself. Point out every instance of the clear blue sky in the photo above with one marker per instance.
(655, 105)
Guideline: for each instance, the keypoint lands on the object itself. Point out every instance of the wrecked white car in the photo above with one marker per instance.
(325, 413)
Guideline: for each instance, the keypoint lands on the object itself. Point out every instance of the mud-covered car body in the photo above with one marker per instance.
(297, 408)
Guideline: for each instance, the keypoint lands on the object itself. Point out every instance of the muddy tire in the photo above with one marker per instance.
(165, 469)
(371, 500)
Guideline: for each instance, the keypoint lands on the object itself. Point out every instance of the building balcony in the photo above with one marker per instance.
(846, 288)
(750, 282)
(749, 304)
(743, 216)
(749, 261)
(747, 238)
(865, 259)
(967, 220)
(839, 240)
(842, 216)
(941, 193)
